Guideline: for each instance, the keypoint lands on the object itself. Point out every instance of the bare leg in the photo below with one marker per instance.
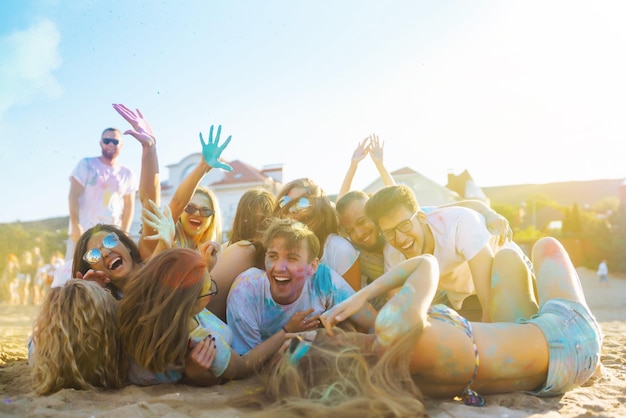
(512, 289)
(556, 275)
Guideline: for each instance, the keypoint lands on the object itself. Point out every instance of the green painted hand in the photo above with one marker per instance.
(211, 150)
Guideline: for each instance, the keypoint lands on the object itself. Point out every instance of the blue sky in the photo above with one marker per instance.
(515, 92)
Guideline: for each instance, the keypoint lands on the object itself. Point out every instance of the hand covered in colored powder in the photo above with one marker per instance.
(211, 150)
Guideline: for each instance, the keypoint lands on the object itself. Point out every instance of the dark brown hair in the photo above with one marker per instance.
(387, 199)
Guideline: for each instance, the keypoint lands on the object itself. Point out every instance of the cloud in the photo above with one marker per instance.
(28, 60)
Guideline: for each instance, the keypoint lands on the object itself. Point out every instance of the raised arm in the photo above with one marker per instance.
(211, 152)
(376, 153)
(418, 277)
(359, 153)
(128, 211)
(149, 185)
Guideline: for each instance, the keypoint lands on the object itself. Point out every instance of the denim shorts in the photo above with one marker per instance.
(575, 343)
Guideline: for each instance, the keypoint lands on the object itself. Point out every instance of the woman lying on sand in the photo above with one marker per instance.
(419, 349)
(76, 340)
(170, 336)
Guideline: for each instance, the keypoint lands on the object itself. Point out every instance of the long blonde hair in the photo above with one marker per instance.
(213, 231)
(75, 337)
(338, 377)
(157, 307)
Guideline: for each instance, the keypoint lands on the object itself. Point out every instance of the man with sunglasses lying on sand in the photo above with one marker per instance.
(294, 284)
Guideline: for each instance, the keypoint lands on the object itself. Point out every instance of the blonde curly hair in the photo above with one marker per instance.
(75, 340)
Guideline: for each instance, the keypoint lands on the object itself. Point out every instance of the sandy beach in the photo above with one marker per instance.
(604, 397)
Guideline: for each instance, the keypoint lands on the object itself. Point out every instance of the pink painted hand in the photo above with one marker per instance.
(142, 131)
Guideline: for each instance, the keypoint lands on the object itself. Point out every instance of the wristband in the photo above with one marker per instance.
(285, 329)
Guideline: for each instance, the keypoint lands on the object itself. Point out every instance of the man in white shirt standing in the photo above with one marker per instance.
(101, 190)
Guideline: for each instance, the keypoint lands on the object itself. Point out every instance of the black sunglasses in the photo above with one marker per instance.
(206, 212)
(212, 292)
(107, 141)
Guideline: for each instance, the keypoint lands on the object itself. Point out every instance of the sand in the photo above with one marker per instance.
(604, 397)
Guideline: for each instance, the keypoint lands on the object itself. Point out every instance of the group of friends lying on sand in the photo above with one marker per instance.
(372, 302)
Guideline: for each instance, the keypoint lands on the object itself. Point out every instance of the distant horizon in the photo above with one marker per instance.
(334, 194)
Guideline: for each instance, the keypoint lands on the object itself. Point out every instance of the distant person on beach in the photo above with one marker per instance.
(102, 191)
(603, 273)
(10, 283)
(294, 284)
(419, 349)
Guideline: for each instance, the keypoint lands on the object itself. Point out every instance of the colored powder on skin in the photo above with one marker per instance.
(550, 251)
(449, 360)
(391, 321)
(490, 351)
(495, 279)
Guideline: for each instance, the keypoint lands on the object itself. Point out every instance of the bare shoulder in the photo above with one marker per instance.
(245, 247)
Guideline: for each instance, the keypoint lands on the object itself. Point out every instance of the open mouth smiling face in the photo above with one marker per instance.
(197, 215)
(288, 269)
(403, 231)
(115, 260)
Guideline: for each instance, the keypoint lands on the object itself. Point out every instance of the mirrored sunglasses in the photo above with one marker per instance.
(107, 141)
(301, 204)
(94, 255)
(205, 212)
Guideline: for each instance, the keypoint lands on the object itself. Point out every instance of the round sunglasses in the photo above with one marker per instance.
(94, 255)
(301, 204)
